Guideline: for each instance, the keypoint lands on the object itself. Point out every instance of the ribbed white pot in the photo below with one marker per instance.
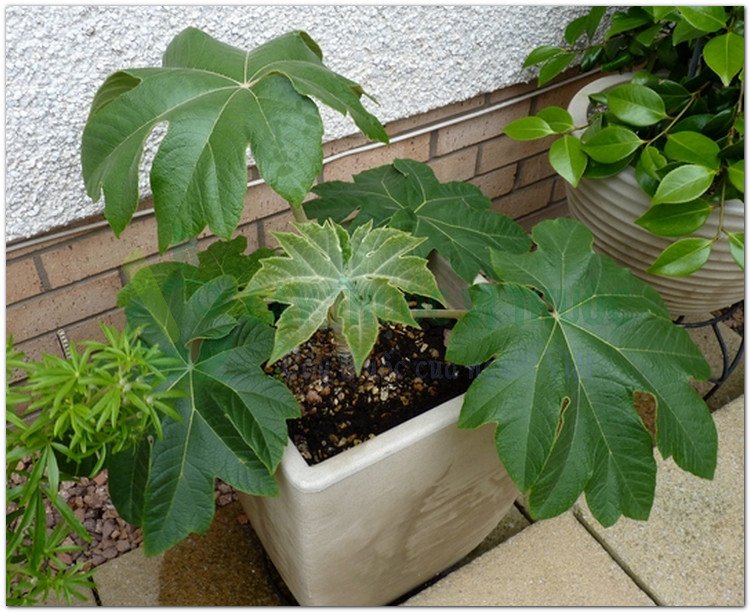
(609, 207)
(372, 523)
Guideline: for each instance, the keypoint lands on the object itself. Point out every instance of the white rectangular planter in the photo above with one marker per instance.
(370, 524)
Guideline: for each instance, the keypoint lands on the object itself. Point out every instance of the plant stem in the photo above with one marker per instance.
(432, 313)
(299, 213)
(346, 361)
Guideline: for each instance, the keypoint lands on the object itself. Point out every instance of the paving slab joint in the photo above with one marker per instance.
(617, 559)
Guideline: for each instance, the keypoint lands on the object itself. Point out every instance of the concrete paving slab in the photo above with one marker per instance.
(224, 567)
(691, 550)
(554, 562)
(129, 580)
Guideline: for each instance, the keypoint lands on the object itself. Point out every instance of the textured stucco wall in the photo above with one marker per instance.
(412, 58)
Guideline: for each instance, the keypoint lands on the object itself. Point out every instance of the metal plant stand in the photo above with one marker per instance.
(729, 362)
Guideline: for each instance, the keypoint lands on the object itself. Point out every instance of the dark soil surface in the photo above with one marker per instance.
(736, 321)
(405, 376)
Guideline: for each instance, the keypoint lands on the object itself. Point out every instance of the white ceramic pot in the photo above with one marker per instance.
(609, 208)
(370, 524)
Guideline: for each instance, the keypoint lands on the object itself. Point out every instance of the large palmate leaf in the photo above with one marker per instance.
(575, 337)
(355, 280)
(233, 416)
(454, 217)
(217, 100)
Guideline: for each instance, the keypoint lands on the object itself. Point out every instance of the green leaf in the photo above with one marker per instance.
(572, 344)
(682, 258)
(704, 18)
(360, 278)
(216, 99)
(541, 54)
(568, 159)
(636, 104)
(558, 119)
(692, 148)
(455, 218)
(674, 95)
(528, 128)
(647, 37)
(232, 415)
(554, 66)
(661, 12)
(626, 21)
(611, 144)
(725, 55)
(575, 29)
(736, 175)
(594, 19)
(676, 220)
(684, 184)
(737, 247)
(685, 32)
(652, 161)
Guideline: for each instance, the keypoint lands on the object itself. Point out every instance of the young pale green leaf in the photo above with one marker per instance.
(636, 104)
(652, 161)
(692, 148)
(682, 258)
(572, 344)
(725, 55)
(233, 416)
(737, 247)
(557, 118)
(360, 279)
(683, 184)
(704, 18)
(568, 159)
(528, 128)
(554, 66)
(541, 54)
(676, 220)
(611, 144)
(216, 99)
(455, 218)
(736, 174)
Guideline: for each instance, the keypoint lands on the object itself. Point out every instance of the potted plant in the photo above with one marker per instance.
(564, 338)
(654, 159)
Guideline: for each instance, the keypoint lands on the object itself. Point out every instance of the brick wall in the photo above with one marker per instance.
(73, 283)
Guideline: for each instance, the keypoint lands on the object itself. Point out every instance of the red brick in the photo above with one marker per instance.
(511, 92)
(34, 349)
(478, 129)
(534, 169)
(344, 169)
(91, 254)
(262, 201)
(502, 151)
(55, 309)
(496, 183)
(553, 211)
(416, 122)
(90, 328)
(21, 280)
(558, 190)
(562, 96)
(458, 166)
(279, 223)
(524, 201)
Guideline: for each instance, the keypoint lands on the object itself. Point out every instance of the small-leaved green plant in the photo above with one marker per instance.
(62, 422)
(679, 121)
